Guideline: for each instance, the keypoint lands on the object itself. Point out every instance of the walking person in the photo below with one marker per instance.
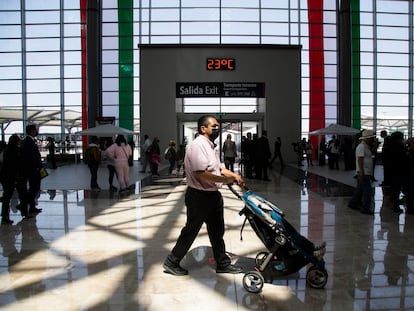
(229, 152)
(180, 159)
(111, 169)
(309, 152)
(131, 143)
(362, 196)
(299, 148)
(203, 200)
(32, 162)
(262, 156)
(333, 153)
(170, 154)
(399, 172)
(51, 147)
(322, 151)
(145, 153)
(119, 152)
(11, 177)
(277, 153)
(410, 156)
(247, 155)
(385, 157)
(349, 153)
(155, 157)
(93, 159)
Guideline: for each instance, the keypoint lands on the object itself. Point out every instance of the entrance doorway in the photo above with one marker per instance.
(237, 128)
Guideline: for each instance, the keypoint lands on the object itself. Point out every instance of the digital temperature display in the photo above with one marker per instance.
(214, 63)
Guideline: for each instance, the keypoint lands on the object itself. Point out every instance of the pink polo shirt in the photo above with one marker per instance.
(201, 156)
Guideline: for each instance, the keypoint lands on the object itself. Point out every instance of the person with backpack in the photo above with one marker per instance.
(92, 158)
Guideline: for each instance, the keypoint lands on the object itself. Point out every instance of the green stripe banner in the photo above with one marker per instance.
(126, 66)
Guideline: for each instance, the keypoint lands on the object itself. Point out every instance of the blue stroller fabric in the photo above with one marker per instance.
(273, 216)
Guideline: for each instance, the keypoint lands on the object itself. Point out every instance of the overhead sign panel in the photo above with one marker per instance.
(220, 89)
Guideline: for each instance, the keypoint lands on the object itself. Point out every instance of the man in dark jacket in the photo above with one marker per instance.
(93, 154)
(32, 167)
(262, 157)
(399, 172)
(11, 178)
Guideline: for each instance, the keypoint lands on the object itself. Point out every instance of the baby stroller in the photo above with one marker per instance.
(287, 250)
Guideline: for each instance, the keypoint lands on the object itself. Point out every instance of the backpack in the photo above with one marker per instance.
(92, 155)
(168, 153)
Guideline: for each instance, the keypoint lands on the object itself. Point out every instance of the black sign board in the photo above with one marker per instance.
(220, 89)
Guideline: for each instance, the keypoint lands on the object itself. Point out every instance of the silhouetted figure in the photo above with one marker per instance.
(385, 157)
(247, 155)
(155, 157)
(262, 156)
(399, 174)
(32, 166)
(145, 153)
(277, 152)
(322, 151)
(309, 152)
(111, 169)
(93, 158)
(51, 147)
(170, 154)
(229, 152)
(349, 154)
(333, 153)
(11, 177)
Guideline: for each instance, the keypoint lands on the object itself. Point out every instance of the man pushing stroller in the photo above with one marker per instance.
(203, 199)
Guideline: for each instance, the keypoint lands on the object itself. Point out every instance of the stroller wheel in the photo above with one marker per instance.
(253, 282)
(260, 258)
(316, 277)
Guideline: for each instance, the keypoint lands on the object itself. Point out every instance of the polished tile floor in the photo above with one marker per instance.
(98, 251)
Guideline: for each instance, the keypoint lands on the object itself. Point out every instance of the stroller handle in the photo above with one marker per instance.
(235, 192)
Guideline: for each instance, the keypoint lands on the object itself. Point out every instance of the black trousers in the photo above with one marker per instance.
(34, 188)
(8, 188)
(401, 183)
(111, 174)
(203, 207)
(93, 168)
(229, 163)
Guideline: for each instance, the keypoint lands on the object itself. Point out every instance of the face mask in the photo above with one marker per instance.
(215, 132)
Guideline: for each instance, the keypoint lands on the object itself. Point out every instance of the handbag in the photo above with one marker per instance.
(43, 173)
(130, 159)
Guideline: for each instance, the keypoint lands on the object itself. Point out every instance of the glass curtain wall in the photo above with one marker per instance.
(41, 54)
(40, 64)
(386, 56)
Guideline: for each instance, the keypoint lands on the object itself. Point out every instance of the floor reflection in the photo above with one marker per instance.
(100, 251)
(316, 183)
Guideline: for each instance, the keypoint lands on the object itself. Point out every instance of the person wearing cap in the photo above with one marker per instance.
(361, 198)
